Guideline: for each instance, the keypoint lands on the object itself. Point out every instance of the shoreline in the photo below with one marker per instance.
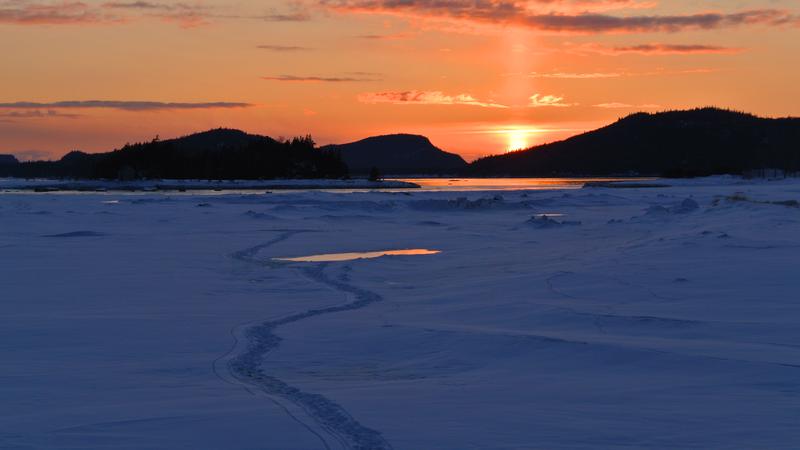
(53, 186)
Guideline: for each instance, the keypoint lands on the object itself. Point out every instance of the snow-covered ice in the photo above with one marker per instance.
(551, 319)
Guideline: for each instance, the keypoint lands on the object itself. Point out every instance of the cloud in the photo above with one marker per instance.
(674, 49)
(542, 101)
(121, 105)
(144, 5)
(67, 12)
(283, 48)
(36, 114)
(384, 37)
(286, 17)
(620, 74)
(651, 49)
(596, 23)
(424, 98)
(25, 12)
(21, 12)
(293, 11)
(511, 12)
(317, 79)
(182, 13)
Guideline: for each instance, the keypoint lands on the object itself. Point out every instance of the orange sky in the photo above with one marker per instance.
(476, 76)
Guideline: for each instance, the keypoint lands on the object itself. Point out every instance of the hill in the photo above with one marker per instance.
(7, 160)
(398, 154)
(214, 154)
(677, 143)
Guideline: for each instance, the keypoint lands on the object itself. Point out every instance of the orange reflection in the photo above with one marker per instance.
(332, 257)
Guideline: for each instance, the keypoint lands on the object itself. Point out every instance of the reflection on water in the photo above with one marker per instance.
(331, 257)
(506, 184)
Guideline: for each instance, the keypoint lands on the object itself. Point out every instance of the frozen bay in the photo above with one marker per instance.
(589, 318)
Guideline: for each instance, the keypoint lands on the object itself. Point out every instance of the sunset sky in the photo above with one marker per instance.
(476, 76)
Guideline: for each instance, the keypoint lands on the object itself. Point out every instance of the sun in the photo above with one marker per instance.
(516, 140)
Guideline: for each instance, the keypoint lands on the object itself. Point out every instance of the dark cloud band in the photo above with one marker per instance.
(513, 12)
(122, 105)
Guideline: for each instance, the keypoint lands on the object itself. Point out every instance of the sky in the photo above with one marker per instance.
(478, 77)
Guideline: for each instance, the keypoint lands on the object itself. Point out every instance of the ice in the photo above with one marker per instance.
(667, 319)
(544, 221)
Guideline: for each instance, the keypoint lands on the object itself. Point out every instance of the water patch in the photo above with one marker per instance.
(333, 257)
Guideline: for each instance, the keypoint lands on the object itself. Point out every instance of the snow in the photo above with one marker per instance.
(551, 319)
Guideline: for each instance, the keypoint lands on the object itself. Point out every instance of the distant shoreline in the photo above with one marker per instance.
(44, 185)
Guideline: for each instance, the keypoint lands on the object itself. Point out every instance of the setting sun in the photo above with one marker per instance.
(517, 140)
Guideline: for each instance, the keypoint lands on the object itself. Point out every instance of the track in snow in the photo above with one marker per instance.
(247, 366)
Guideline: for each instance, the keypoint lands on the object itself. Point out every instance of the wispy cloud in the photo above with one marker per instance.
(319, 79)
(542, 101)
(30, 12)
(72, 12)
(674, 49)
(384, 37)
(300, 16)
(21, 12)
(614, 74)
(510, 12)
(425, 98)
(121, 105)
(182, 13)
(36, 114)
(649, 49)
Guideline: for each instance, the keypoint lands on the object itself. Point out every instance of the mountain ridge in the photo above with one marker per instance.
(702, 141)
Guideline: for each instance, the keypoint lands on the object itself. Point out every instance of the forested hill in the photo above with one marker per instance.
(678, 143)
(6, 160)
(399, 154)
(214, 154)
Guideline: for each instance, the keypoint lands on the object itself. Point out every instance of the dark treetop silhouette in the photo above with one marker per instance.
(215, 154)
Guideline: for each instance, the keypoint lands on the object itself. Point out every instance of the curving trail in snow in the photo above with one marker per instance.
(245, 362)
